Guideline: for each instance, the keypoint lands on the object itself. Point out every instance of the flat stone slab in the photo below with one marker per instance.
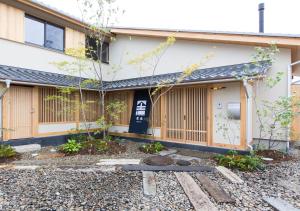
(112, 162)
(32, 167)
(89, 169)
(183, 157)
(167, 168)
(158, 161)
(229, 175)
(183, 163)
(214, 190)
(197, 197)
(27, 148)
(167, 152)
(149, 183)
(280, 204)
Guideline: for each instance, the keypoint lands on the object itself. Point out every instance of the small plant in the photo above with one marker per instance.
(152, 147)
(7, 151)
(242, 162)
(71, 147)
(102, 146)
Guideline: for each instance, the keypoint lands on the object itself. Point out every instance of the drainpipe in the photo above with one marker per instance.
(248, 90)
(289, 94)
(7, 82)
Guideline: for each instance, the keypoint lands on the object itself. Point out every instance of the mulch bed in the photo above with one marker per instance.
(277, 156)
(10, 159)
(113, 148)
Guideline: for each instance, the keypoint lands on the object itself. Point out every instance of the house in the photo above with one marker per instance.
(33, 36)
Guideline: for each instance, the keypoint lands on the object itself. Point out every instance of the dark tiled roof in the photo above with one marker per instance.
(38, 77)
(209, 74)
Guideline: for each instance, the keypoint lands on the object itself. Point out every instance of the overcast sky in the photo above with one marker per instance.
(281, 16)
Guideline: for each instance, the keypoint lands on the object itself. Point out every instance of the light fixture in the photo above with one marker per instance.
(7, 81)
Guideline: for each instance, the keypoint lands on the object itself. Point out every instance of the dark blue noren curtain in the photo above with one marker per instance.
(140, 112)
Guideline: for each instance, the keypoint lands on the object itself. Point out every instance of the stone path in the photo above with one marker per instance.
(229, 175)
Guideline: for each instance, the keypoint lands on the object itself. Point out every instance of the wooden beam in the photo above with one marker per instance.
(35, 111)
(228, 38)
(197, 197)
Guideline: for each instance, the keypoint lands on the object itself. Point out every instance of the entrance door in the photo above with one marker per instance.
(18, 112)
(186, 115)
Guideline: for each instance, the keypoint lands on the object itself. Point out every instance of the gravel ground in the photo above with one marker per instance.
(54, 188)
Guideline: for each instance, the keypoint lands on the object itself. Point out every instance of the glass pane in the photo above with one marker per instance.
(105, 53)
(34, 31)
(54, 37)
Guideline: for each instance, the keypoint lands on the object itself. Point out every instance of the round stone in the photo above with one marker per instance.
(183, 163)
(159, 161)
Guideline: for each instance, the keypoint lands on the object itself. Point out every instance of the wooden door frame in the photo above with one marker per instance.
(208, 113)
(6, 112)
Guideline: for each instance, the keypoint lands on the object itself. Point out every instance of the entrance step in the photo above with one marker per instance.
(280, 204)
(214, 190)
(149, 183)
(27, 148)
(167, 168)
(229, 175)
(112, 162)
(197, 197)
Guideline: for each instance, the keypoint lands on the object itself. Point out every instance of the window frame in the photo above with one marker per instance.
(104, 43)
(45, 23)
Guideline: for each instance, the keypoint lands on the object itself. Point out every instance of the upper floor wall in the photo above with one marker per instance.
(12, 22)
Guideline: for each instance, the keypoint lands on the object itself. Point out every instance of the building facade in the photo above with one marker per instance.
(33, 37)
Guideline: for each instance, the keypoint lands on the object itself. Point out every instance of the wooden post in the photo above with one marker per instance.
(209, 116)
(6, 115)
(35, 111)
(163, 116)
(77, 110)
(243, 117)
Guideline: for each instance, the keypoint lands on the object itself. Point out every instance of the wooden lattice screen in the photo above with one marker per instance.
(55, 106)
(186, 115)
(91, 106)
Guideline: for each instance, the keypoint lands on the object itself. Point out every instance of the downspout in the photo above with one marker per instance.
(7, 82)
(248, 90)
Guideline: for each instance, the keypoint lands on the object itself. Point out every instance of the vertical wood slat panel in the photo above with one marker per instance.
(12, 23)
(186, 111)
(296, 121)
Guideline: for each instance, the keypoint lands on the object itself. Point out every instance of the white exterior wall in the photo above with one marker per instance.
(184, 53)
(225, 130)
(36, 58)
(53, 128)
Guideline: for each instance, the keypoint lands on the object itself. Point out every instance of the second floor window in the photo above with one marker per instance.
(41, 33)
(94, 50)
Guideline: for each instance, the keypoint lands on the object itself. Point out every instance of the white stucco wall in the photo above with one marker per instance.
(225, 129)
(51, 128)
(37, 58)
(124, 129)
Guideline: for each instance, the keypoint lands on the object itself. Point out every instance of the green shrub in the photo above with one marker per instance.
(102, 146)
(7, 151)
(242, 162)
(152, 147)
(71, 147)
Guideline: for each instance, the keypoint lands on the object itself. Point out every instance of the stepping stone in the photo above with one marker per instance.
(112, 162)
(167, 168)
(197, 197)
(158, 161)
(183, 163)
(25, 167)
(167, 152)
(149, 184)
(280, 204)
(27, 148)
(183, 157)
(214, 190)
(229, 175)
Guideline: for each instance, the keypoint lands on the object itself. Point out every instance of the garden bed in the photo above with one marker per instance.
(276, 155)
